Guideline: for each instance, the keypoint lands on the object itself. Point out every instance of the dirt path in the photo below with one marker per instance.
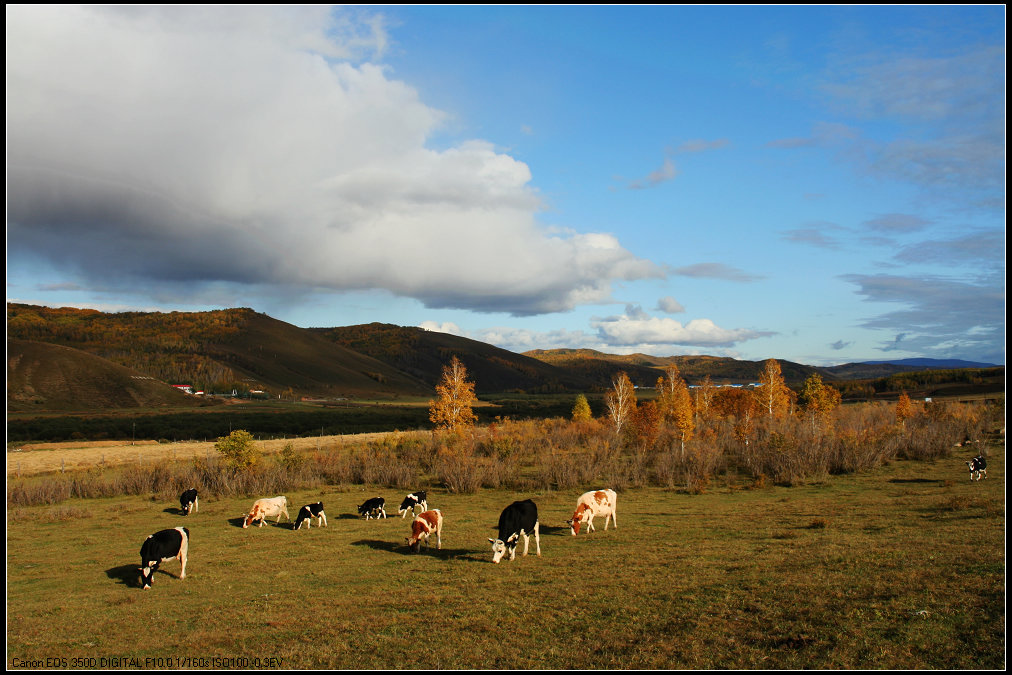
(39, 458)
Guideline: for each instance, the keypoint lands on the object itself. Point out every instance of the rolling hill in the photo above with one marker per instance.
(44, 376)
(422, 355)
(217, 351)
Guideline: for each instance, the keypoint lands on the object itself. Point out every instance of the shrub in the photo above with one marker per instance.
(238, 451)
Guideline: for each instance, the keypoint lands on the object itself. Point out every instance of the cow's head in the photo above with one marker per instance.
(501, 548)
(413, 543)
(579, 517)
(148, 574)
(251, 517)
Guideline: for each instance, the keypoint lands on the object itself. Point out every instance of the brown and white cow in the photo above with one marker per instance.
(424, 524)
(268, 508)
(592, 504)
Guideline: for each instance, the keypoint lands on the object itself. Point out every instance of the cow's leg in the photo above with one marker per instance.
(537, 537)
(182, 555)
(590, 523)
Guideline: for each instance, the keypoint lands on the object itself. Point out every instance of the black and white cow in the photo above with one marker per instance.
(307, 513)
(519, 519)
(411, 501)
(162, 546)
(373, 508)
(978, 467)
(188, 501)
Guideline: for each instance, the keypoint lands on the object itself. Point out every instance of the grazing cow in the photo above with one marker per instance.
(591, 504)
(268, 508)
(978, 467)
(162, 546)
(188, 501)
(411, 501)
(307, 513)
(373, 508)
(424, 524)
(518, 519)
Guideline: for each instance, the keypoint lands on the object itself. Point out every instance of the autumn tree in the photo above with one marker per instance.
(452, 409)
(620, 401)
(904, 409)
(581, 409)
(739, 405)
(818, 400)
(675, 403)
(644, 425)
(773, 396)
(704, 399)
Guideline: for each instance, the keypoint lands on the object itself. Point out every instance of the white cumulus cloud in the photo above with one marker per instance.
(169, 148)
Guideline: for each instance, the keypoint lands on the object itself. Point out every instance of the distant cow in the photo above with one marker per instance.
(267, 508)
(424, 524)
(591, 504)
(978, 467)
(308, 512)
(373, 508)
(162, 546)
(411, 501)
(188, 501)
(518, 519)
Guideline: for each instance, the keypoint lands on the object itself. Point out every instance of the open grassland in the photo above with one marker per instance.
(901, 567)
(41, 458)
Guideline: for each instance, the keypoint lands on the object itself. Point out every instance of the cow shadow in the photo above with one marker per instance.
(402, 549)
(128, 575)
(174, 510)
(917, 480)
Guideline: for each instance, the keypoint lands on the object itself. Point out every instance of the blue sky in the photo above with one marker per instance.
(817, 184)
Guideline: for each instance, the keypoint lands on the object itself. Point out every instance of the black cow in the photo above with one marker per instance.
(518, 519)
(308, 512)
(162, 546)
(978, 467)
(188, 501)
(374, 507)
(411, 501)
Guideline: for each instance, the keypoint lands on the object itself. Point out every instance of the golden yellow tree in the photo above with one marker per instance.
(452, 409)
(704, 399)
(581, 409)
(904, 409)
(676, 403)
(621, 401)
(818, 400)
(772, 395)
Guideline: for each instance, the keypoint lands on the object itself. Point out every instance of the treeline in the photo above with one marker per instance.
(267, 424)
(917, 380)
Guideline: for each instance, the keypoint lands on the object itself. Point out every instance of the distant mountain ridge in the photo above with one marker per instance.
(240, 348)
(935, 364)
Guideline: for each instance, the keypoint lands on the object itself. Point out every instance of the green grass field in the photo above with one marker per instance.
(900, 568)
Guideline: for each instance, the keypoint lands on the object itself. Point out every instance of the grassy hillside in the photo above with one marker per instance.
(423, 354)
(44, 376)
(216, 351)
